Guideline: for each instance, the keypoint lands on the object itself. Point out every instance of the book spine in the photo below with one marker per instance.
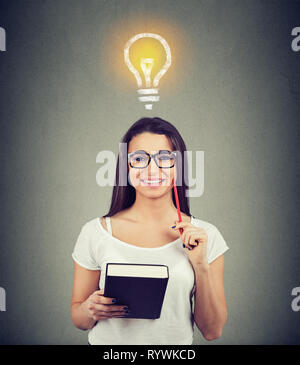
(158, 309)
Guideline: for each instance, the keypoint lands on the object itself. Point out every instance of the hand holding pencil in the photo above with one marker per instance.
(194, 238)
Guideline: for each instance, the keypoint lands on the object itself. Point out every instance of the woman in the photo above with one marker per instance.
(142, 227)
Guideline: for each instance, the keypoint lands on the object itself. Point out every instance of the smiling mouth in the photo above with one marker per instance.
(152, 181)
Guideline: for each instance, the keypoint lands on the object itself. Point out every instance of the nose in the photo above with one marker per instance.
(152, 165)
(153, 169)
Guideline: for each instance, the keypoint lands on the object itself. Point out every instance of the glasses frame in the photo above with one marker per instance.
(150, 156)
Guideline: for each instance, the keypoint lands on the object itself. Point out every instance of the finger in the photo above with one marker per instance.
(100, 299)
(118, 314)
(199, 238)
(186, 244)
(101, 316)
(100, 294)
(186, 247)
(96, 318)
(187, 240)
(111, 314)
(182, 224)
(108, 315)
(194, 239)
(190, 239)
(185, 235)
(117, 308)
(107, 308)
(187, 231)
(124, 316)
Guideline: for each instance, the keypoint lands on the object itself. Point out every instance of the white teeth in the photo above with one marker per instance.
(152, 181)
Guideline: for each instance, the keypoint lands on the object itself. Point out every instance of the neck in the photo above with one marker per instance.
(154, 210)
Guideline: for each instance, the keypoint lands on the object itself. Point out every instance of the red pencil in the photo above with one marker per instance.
(178, 208)
(177, 203)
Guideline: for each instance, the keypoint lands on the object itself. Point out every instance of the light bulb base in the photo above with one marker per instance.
(148, 96)
(148, 91)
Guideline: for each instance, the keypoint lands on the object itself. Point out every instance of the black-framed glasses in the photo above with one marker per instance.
(140, 159)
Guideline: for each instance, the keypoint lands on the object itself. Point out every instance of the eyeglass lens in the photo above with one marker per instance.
(163, 159)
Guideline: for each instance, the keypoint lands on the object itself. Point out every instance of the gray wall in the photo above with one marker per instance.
(233, 91)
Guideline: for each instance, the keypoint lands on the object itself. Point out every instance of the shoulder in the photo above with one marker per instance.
(92, 235)
(216, 244)
(87, 246)
(92, 227)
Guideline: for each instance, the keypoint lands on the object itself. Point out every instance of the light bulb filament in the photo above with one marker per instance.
(146, 65)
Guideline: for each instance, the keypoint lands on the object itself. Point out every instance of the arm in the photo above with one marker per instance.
(210, 311)
(85, 283)
(89, 305)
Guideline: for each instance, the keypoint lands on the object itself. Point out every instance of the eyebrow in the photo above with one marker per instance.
(148, 152)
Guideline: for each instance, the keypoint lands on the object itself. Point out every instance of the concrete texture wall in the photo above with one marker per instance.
(233, 91)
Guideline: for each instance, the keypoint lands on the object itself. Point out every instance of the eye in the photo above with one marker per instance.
(139, 158)
(164, 156)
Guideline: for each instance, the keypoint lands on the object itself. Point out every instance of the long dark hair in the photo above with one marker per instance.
(124, 196)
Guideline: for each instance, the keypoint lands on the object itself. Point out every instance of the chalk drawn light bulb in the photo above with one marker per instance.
(148, 84)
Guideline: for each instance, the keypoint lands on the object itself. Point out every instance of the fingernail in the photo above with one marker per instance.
(189, 249)
(125, 308)
(114, 301)
(173, 226)
(183, 245)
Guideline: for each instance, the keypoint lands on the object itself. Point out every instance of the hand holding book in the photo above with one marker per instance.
(100, 307)
(141, 287)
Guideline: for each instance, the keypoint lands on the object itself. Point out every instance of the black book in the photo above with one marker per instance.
(141, 287)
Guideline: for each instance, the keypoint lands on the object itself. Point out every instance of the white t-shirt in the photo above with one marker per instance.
(95, 247)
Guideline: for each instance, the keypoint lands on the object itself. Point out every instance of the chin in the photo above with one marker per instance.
(155, 192)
